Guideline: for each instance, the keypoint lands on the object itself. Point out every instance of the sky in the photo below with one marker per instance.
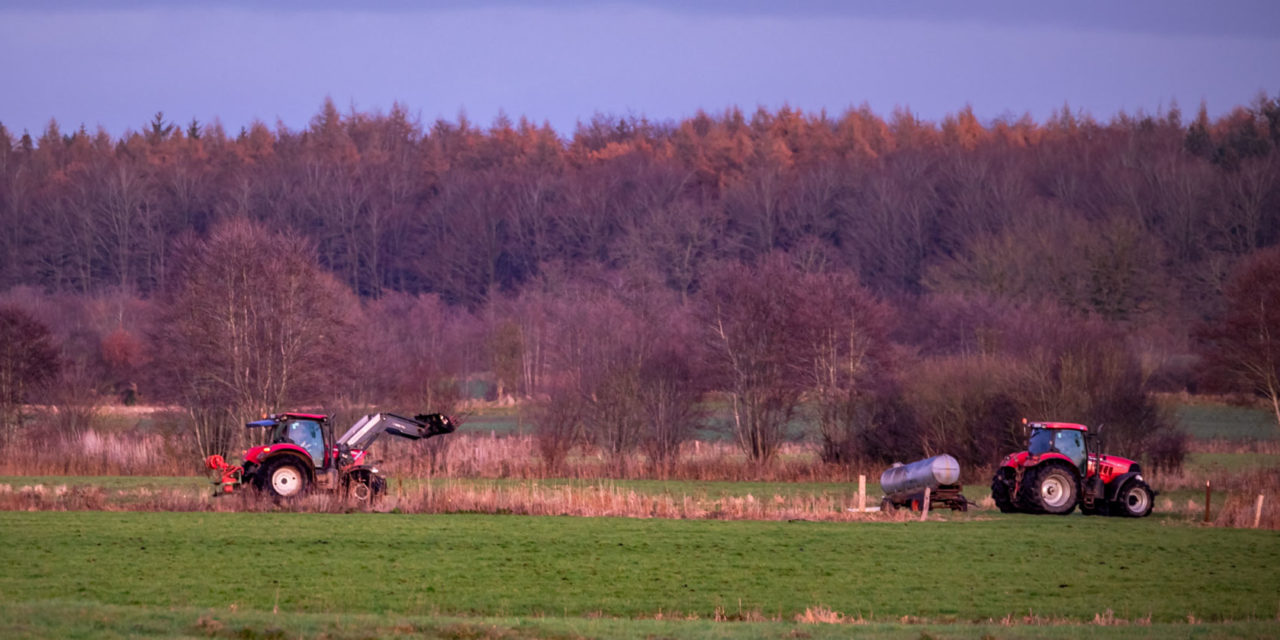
(116, 64)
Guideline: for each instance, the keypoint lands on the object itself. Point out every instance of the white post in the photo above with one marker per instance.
(924, 507)
(1257, 511)
(862, 494)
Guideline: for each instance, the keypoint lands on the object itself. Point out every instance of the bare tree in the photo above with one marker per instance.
(755, 335)
(849, 349)
(409, 354)
(1244, 344)
(28, 359)
(668, 393)
(252, 326)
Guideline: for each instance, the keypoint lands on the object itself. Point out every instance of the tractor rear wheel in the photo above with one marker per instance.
(1049, 488)
(1002, 489)
(285, 478)
(1134, 500)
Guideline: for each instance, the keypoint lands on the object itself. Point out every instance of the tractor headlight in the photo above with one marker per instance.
(1139, 477)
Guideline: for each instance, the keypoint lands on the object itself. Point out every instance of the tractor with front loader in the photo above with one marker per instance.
(302, 454)
(1062, 468)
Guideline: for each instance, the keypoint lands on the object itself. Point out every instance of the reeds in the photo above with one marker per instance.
(459, 455)
(98, 453)
(522, 498)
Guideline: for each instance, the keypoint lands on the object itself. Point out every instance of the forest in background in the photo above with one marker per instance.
(903, 286)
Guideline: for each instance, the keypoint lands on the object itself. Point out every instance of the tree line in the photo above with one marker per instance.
(895, 287)
(763, 352)
(1141, 215)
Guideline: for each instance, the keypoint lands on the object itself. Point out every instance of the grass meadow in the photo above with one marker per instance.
(247, 574)
(483, 546)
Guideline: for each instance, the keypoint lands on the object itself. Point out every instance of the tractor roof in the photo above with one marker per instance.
(305, 416)
(1059, 425)
(273, 419)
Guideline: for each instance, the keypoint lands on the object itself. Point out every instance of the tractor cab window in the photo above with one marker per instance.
(306, 434)
(1070, 443)
(1041, 442)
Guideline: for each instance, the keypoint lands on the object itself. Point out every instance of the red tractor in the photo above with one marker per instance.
(302, 453)
(1063, 467)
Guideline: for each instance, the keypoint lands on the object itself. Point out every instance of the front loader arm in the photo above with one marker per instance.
(364, 432)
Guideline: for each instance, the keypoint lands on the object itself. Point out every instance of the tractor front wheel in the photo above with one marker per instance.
(1049, 488)
(1134, 500)
(365, 487)
(1002, 489)
(285, 478)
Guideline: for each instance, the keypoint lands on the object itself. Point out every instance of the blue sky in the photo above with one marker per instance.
(116, 64)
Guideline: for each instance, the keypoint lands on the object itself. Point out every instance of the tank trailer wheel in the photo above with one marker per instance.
(285, 478)
(1050, 488)
(1135, 499)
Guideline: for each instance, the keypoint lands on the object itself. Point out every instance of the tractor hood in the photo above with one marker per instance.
(1112, 466)
(1108, 466)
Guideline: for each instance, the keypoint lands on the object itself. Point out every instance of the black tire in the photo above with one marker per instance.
(1002, 490)
(887, 506)
(1099, 508)
(284, 478)
(1134, 500)
(364, 487)
(1049, 488)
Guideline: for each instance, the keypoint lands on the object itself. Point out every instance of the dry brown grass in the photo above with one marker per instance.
(468, 455)
(530, 498)
(460, 455)
(475, 455)
(98, 453)
(825, 615)
(1234, 501)
(1107, 618)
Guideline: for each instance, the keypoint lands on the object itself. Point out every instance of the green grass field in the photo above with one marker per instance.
(1202, 421)
(1229, 462)
(573, 569)
(1205, 421)
(367, 575)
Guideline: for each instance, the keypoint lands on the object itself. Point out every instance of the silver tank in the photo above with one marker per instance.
(919, 475)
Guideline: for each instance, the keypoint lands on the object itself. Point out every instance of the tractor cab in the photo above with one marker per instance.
(306, 430)
(1065, 439)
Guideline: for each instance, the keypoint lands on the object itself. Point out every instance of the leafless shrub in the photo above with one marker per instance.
(250, 328)
(28, 360)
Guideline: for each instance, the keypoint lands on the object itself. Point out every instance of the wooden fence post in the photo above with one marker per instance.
(862, 494)
(924, 506)
(1257, 511)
